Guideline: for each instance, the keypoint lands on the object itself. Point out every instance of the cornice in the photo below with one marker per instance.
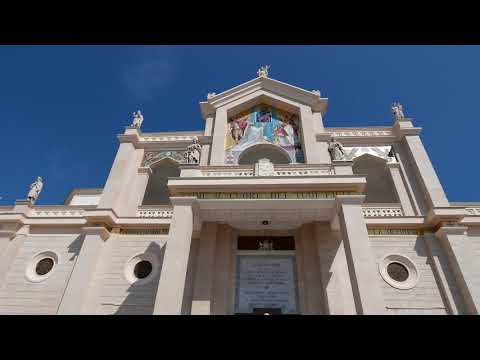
(273, 86)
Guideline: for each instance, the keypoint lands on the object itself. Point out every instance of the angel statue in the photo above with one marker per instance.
(35, 190)
(137, 119)
(336, 150)
(263, 71)
(192, 155)
(397, 111)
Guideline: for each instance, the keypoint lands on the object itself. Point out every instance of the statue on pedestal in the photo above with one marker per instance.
(35, 190)
(137, 119)
(397, 111)
(316, 92)
(192, 155)
(210, 95)
(336, 150)
(263, 71)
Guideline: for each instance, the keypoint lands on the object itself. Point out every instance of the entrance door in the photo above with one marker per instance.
(266, 277)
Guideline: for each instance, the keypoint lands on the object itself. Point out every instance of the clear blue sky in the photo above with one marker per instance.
(61, 107)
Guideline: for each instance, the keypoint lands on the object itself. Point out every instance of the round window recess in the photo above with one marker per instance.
(41, 266)
(141, 268)
(399, 272)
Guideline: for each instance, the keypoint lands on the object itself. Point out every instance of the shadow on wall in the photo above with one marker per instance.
(75, 246)
(141, 294)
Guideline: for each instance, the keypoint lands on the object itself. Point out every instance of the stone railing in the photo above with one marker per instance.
(473, 211)
(383, 210)
(56, 211)
(279, 170)
(153, 212)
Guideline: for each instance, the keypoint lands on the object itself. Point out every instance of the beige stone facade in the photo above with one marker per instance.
(255, 217)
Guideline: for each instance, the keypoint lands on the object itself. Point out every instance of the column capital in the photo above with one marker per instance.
(183, 200)
(402, 128)
(145, 170)
(439, 215)
(96, 230)
(451, 230)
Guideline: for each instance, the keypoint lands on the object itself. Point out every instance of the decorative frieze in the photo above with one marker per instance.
(382, 211)
(151, 157)
(384, 152)
(155, 213)
(168, 138)
(61, 212)
(268, 195)
(159, 231)
(360, 132)
(327, 170)
(394, 232)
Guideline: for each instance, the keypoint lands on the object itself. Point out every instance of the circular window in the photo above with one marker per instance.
(41, 266)
(44, 266)
(399, 272)
(141, 268)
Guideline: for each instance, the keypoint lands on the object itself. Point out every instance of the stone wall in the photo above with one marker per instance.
(425, 297)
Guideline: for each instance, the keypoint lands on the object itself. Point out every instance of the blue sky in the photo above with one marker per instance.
(61, 107)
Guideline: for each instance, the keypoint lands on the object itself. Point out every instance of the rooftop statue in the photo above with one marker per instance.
(192, 155)
(35, 190)
(137, 119)
(316, 92)
(397, 111)
(263, 71)
(210, 95)
(336, 150)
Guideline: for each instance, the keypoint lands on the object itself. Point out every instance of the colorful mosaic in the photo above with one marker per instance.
(263, 124)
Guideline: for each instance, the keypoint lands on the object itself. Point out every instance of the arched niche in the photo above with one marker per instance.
(380, 186)
(275, 154)
(157, 192)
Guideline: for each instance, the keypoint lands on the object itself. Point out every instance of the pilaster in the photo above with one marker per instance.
(205, 270)
(73, 299)
(171, 284)
(360, 258)
(400, 188)
(11, 241)
(218, 139)
(457, 246)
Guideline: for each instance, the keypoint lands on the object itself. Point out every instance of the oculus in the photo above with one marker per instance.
(398, 271)
(41, 266)
(142, 268)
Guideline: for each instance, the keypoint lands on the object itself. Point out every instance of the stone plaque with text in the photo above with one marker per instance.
(266, 282)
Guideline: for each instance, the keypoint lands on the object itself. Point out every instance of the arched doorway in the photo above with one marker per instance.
(275, 154)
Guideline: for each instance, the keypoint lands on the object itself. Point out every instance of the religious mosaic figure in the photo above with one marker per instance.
(192, 155)
(337, 152)
(397, 111)
(263, 124)
(263, 71)
(137, 119)
(35, 189)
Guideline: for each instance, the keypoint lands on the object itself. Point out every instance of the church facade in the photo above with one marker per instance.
(264, 211)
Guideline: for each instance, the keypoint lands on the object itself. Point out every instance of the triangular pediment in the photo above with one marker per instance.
(263, 86)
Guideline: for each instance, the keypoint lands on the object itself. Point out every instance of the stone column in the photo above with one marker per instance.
(418, 155)
(10, 241)
(311, 271)
(456, 244)
(73, 299)
(218, 139)
(443, 275)
(400, 188)
(361, 261)
(322, 146)
(337, 288)
(312, 148)
(206, 148)
(124, 169)
(203, 287)
(171, 285)
(222, 280)
(137, 188)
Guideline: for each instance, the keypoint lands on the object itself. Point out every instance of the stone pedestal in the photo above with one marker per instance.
(175, 264)
(360, 258)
